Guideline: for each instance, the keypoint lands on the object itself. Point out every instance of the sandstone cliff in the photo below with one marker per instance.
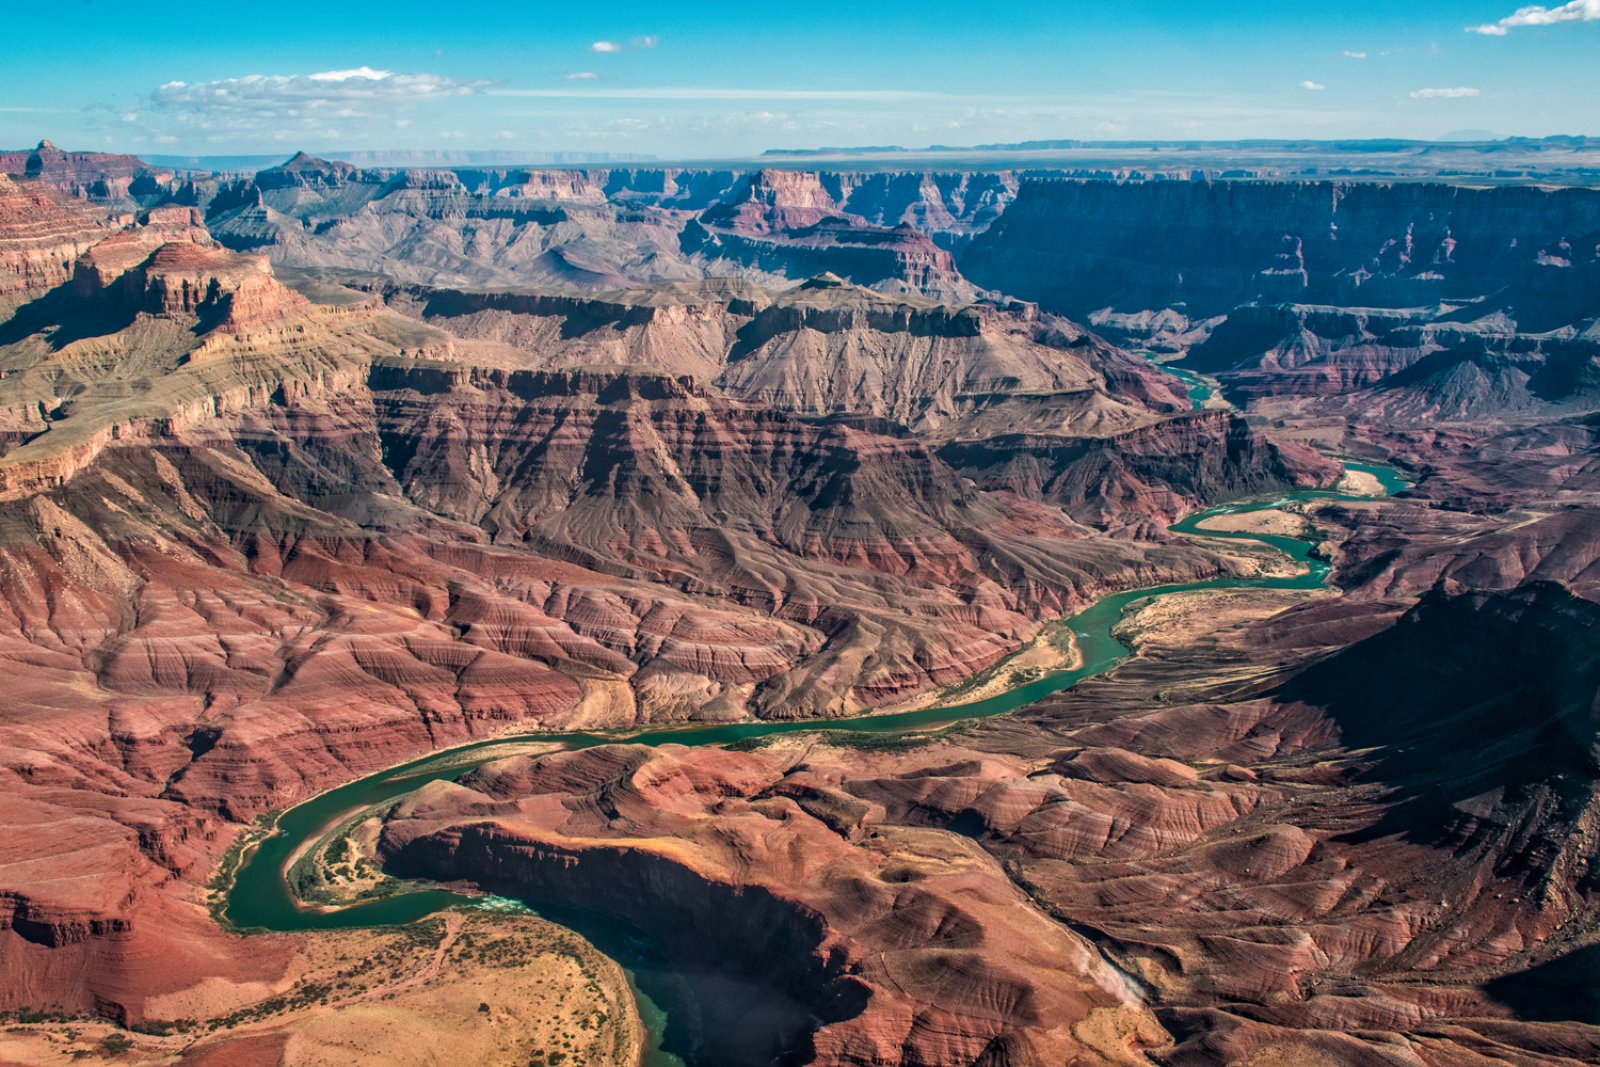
(829, 348)
(41, 235)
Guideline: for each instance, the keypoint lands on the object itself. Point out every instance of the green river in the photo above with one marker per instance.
(1199, 389)
(259, 897)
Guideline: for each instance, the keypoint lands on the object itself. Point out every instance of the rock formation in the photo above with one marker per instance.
(829, 348)
(1159, 472)
(100, 176)
(259, 540)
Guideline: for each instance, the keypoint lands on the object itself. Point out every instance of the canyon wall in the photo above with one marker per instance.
(1078, 246)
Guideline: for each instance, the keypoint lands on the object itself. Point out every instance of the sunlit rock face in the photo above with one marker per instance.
(41, 235)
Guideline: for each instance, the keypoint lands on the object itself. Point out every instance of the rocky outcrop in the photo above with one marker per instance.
(1160, 472)
(145, 272)
(183, 331)
(688, 329)
(961, 372)
(579, 186)
(302, 171)
(897, 260)
(89, 175)
(777, 201)
(234, 293)
(941, 204)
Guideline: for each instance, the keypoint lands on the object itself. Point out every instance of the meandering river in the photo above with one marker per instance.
(260, 898)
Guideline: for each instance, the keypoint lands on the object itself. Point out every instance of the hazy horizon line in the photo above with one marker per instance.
(1032, 146)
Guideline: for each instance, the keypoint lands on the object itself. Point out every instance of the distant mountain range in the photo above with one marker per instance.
(402, 158)
(1483, 138)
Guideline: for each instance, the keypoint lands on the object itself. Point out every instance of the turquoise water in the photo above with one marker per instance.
(1198, 388)
(260, 897)
(1390, 480)
(1199, 391)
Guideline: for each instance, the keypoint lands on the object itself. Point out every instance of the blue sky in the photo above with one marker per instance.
(708, 80)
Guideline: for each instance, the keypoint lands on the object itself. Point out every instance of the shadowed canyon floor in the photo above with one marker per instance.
(313, 473)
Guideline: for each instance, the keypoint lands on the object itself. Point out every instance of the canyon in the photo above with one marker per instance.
(315, 472)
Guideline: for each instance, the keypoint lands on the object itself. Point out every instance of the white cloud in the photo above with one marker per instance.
(1354, 55)
(352, 92)
(635, 44)
(1537, 15)
(506, 135)
(1444, 94)
(1311, 86)
(692, 93)
(362, 73)
(582, 76)
(295, 106)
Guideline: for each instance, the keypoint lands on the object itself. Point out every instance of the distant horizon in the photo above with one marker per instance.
(400, 158)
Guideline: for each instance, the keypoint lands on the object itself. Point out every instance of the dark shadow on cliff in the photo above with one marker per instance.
(741, 972)
(714, 1016)
(64, 316)
(1478, 708)
(1563, 990)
